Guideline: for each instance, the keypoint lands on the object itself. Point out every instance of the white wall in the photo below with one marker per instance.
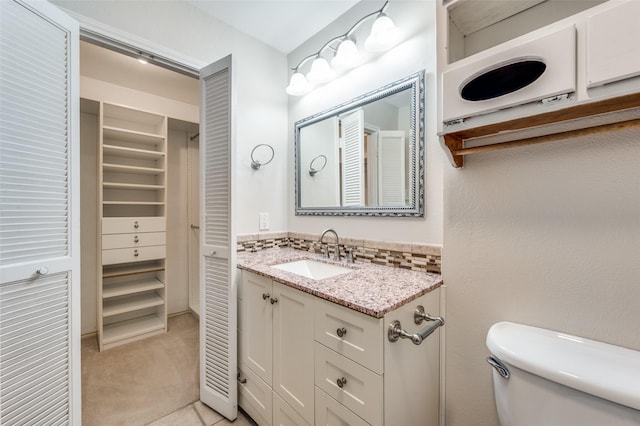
(547, 235)
(260, 78)
(415, 53)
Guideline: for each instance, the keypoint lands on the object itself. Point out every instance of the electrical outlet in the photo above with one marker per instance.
(263, 221)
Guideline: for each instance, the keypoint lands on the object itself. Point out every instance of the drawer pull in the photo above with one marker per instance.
(265, 296)
(135, 253)
(341, 332)
(136, 239)
(241, 380)
(274, 300)
(43, 271)
(136, 224)
(341, 382)
(213, 253)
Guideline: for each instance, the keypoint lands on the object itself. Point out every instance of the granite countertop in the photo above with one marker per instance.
(371, 289)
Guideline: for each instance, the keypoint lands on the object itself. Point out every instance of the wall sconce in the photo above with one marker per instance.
(383, 36)
(313, 170)
(255, 164)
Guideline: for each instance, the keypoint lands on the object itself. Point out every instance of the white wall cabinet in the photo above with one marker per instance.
(332, 365)
(132, 302)
(276, 352)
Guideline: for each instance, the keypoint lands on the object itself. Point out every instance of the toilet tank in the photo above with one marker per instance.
(560, 379)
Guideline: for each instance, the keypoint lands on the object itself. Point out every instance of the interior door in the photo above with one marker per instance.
(218, 291)
(193, 200)
(39, 215)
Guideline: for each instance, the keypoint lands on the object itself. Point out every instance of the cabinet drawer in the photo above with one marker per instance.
(360, 389)
(329, 412)
(362, 335)
(125, 225)
(140, 239)
(254, 396)
(126, 255)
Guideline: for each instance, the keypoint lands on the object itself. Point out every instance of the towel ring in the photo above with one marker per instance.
(312, 170)
(255, 165)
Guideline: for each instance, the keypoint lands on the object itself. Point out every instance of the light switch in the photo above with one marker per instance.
(264, 221)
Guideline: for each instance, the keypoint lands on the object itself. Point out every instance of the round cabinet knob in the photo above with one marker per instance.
(213, 253)
(42, 271)
(136, 239)
(341, 332)
(265, 296)
(274, 300)
(341, 382)
(136, 224)
(135, 253)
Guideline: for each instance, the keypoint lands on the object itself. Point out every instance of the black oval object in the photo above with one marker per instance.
(503, 80)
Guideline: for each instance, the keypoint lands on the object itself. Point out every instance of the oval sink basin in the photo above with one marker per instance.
(312, 269)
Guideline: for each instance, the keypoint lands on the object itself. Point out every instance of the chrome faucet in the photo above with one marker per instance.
(325, 253)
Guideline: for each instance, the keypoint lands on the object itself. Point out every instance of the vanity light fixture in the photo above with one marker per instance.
(383, 36)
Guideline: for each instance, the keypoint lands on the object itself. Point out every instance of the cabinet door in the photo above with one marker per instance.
(256, 325)
(39, 216)
(284, 415)
(293, 349)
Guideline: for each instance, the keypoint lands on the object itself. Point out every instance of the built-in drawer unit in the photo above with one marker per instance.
(357, 388)
(127, 255)
(350, 333)
(330, 412)
(138, 239)
(125, 225)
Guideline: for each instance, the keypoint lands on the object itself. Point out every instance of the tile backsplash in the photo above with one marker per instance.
(414, 256)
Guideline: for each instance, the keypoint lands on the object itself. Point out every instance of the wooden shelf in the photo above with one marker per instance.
(133, 203)
(131, 287)
(131, 152)
(133, 303)
(135, 269)
(120, 168)
(131, 136)
(131, 328)
(117, 185)
(546, 126)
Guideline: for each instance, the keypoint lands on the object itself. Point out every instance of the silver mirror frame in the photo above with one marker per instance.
(416, 208)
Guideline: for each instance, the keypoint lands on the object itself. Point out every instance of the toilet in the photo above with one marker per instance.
(546, 378)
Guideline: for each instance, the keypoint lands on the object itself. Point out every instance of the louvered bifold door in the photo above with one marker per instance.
(391, 168)
(39, 216)
(218, 334)
(353, 159)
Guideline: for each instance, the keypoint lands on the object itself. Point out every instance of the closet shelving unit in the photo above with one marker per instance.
(132, 289)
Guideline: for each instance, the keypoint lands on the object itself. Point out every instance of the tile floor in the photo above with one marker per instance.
(198, 414)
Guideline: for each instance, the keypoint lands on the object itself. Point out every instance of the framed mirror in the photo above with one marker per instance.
(364, 157)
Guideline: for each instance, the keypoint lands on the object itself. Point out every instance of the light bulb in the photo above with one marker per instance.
(384, 34)
(347, 55)
(320, 71)
(298, 85)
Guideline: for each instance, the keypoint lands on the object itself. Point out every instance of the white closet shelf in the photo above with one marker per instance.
(131, 287)
(133, 136)
(123, 271)
(120, 168)
(131, 328)
(118, 185)
(133, 203)
(134, 303)
(131, 152)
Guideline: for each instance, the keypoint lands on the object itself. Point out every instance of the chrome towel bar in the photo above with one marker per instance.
(396, 332)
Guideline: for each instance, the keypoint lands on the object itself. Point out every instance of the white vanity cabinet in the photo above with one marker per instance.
(307, 361)
(276, 352)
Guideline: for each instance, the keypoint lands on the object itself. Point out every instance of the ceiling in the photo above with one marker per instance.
(281, 24)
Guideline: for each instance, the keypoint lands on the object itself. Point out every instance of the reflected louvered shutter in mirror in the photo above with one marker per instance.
(218, 334)
(353, 159)
(39, 216)
(391, 168)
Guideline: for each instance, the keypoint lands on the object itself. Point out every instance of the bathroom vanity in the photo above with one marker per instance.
(317, 351)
